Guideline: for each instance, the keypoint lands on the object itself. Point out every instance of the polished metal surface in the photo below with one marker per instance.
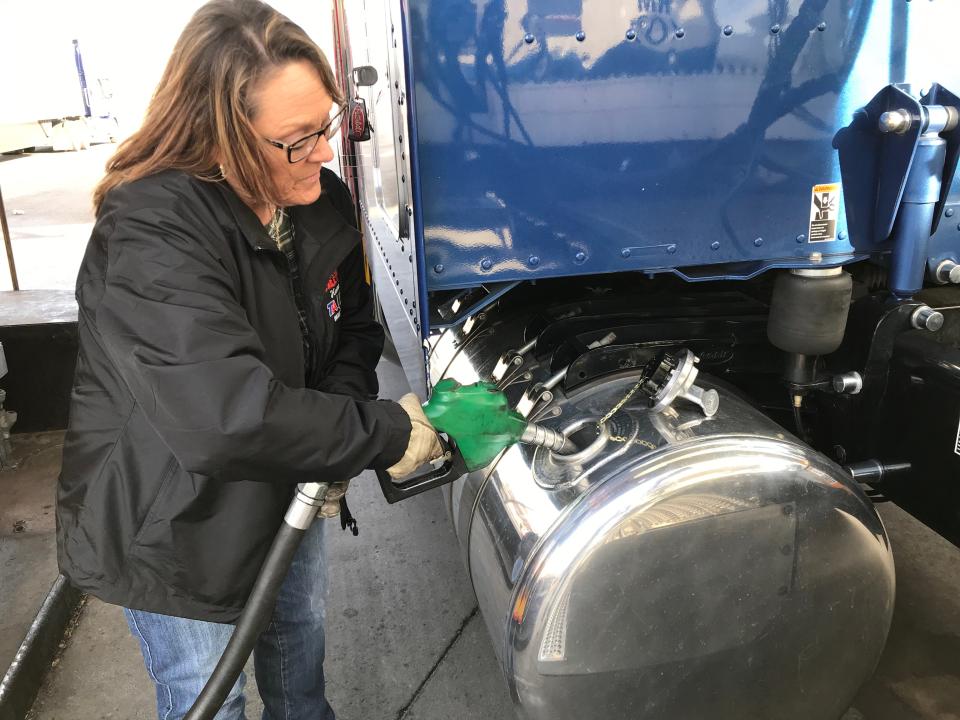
(947, 272)
(926, 318)
(681, 385)
(850, 383)
(874, 471)
(390, 215)
(540, 436)
(895, 121)
(690, 567)
(305, 504)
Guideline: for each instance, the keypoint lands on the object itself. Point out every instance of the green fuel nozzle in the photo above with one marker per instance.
(481, 422)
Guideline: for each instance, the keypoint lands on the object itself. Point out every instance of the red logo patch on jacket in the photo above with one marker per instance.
(333, 289)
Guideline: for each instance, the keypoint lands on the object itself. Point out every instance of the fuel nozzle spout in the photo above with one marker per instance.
(544, 437)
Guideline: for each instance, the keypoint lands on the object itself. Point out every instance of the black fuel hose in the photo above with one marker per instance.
(253, 621)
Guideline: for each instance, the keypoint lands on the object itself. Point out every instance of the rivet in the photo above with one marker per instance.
(631, 34)
(715, 245)
(949, 212)
(406, 301)
(728, 30)
(411, 312)
(438, 268)
(580, 257)
(528, 38)
(842, 235)
(822, 26)
(400, 99)
(534, 261)
(801, 238)
(680, 32)
(671, 249)
(758, 242)
(581, 36)
(400, 138)
(625, 253)
(409, 210)
(486, 264)
(775, 29)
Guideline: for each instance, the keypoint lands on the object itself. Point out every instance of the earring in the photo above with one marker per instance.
(223, 175)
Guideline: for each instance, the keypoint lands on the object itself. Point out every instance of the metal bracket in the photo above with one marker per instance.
(877, 151)
(457, 309)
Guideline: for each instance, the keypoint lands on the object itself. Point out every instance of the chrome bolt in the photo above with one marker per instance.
(926, 318)
(849, 383)
(895, 121)
(948, 272)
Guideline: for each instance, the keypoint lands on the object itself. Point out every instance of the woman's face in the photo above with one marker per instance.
(292, 102)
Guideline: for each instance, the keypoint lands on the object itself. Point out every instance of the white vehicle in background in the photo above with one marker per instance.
(49, 99)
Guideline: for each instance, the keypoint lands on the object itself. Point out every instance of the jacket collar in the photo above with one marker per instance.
(320, 232)
(253, 230)
(317, 227)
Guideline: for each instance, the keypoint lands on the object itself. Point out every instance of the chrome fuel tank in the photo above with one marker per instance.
(679, 567)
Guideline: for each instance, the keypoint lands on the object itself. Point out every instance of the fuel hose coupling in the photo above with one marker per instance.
(544, 437)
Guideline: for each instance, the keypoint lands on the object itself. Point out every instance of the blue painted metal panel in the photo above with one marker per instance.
(567, 137)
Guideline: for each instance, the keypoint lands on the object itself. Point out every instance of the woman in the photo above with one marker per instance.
(227, 353)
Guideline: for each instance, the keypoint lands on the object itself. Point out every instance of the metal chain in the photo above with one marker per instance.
(623, 401)
(616, 408)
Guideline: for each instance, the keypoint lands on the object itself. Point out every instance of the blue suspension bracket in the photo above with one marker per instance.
(898, 158)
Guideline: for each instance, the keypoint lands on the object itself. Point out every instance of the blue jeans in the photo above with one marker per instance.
(180, 654)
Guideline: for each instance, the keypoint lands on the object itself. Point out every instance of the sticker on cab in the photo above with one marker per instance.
(824, 212)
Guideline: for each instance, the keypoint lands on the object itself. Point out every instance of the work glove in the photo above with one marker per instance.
(423, 446)
(331, 501)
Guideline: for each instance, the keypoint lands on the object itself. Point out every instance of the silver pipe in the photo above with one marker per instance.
(544, 437)
(871, 471)
(305, 504)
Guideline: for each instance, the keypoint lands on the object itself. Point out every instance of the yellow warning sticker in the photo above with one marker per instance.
(824, 212)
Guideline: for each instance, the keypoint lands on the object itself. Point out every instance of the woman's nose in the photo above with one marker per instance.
(322, 152)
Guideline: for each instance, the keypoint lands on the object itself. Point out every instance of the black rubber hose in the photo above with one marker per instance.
(253, 621)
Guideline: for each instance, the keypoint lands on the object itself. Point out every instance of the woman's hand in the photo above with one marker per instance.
(423, 446)
(331, 501)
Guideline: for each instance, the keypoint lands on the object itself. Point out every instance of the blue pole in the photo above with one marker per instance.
(911, 232)
(83, 78)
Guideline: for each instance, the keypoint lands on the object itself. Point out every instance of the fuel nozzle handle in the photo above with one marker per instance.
(481, 422)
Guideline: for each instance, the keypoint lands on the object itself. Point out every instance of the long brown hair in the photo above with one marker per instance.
(200, 114)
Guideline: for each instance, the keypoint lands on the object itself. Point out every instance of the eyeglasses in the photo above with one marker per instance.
(299, 149)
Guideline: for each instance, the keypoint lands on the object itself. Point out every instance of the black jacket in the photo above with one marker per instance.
(190, 422)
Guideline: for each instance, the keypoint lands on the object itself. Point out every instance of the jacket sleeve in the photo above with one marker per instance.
(170, 320)
(352, 369)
